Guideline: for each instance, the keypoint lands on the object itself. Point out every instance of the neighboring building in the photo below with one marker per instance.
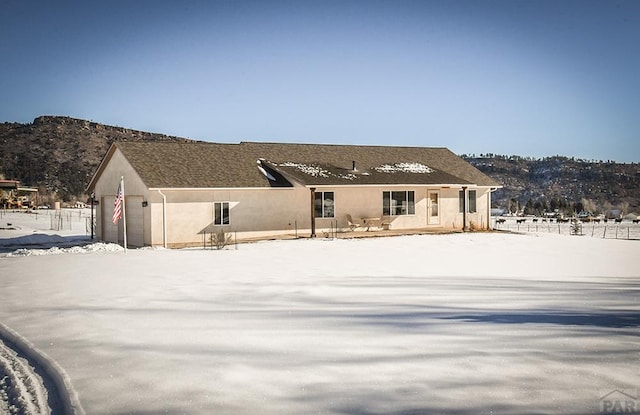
(178, 193)
(14, 196)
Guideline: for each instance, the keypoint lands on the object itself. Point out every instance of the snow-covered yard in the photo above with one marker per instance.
(461, 323)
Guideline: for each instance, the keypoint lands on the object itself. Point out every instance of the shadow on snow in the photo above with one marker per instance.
(618, 319)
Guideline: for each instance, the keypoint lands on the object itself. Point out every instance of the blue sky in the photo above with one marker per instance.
(533, 78)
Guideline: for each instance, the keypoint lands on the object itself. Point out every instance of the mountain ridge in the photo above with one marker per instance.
(569, 184)
(59, 154)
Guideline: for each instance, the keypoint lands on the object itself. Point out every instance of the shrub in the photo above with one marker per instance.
(220, 239)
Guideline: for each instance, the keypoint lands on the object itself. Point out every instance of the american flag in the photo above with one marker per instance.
(117, 205)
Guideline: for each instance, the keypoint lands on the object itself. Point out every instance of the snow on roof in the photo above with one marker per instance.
(311, 170)
(404, 168)
(263, 171)
(317, 171)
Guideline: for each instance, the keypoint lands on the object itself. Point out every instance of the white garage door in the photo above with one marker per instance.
(134, 214)
(134, 209)
(109, 229)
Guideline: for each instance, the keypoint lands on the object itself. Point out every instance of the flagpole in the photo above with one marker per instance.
(124, 213)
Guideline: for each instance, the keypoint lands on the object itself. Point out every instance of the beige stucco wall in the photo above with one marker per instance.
(258, 213)
(105, 191)
(367, 202)
(253, 213)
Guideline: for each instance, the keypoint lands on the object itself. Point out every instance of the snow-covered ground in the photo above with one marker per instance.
(39, 229)
(462, 323)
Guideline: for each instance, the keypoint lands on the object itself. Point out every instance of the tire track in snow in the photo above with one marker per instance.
(22, 390)
(31, 382)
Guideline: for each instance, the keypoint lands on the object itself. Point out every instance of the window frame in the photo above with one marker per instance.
(471, 204)
(220, 217)
(388, 208)
(320, 195)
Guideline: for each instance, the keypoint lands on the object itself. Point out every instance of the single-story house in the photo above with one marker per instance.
(178, 193)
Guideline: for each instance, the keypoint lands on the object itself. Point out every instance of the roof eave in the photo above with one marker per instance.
(440, 185)
(216, 188)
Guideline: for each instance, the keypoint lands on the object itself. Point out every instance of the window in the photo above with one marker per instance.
(472, 201)
(221, 213)
(398, 203)
(324, 205)
(434, 204)
(471, 196)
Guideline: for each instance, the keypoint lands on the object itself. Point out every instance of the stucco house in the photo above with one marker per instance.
(178, 193)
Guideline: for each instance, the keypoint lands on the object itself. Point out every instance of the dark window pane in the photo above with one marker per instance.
(472, 201)
(328, 205)
(411, 208)
(386, 203)
(218, 214)
(318, 204)
(397, 202)
(225, 213)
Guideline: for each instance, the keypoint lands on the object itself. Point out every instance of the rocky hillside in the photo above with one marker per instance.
(563, 183)
(60, 154)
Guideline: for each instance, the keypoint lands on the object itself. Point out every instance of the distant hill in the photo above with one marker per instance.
(60, 154)
(563, 183)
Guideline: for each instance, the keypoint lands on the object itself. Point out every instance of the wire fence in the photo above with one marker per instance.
(621, 230)
(56, 220)
(68, 220)
(61, 220)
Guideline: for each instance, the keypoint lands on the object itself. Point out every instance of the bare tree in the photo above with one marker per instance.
(588, 205)
(624, 208)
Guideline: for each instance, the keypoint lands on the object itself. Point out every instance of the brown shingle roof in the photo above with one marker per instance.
(210, 165)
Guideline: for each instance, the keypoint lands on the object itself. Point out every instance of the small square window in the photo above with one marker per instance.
(221, 211)
(324, 205)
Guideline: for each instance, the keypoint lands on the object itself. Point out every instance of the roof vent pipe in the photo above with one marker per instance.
(353, 163)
